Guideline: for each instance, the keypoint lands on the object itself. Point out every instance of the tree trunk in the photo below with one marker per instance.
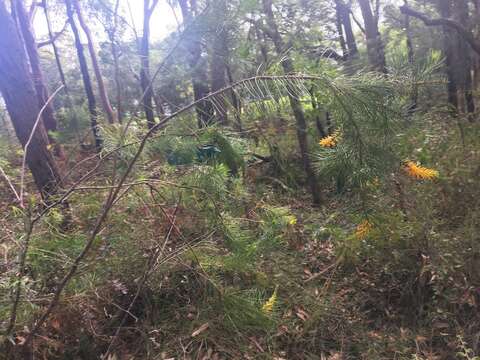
(197, 64)
(18, 90)
(116, 67)
(338, 24)
(476, 32)
(376, 54)
(219, 58)
(158, 105)
(87, 84)
(235, 101)
(343, 17)
(107, 108)
(411, 60)
(449, 52)
(295, 104)
(144, 52)
(61, 73)
(48, 115)
(464, 64)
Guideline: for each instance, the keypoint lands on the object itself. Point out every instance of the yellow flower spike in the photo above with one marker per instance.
(293, 220)
(331, 140)
(363, 229)
(270, 303)
(328, 141)
(419, 172)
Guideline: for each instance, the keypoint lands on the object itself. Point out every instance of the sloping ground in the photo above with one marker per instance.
(200, 265)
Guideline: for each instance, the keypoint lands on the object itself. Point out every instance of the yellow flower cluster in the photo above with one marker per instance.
(270, 303)
(331, 140)
(363, 229)
(420, 172)
(328, 141)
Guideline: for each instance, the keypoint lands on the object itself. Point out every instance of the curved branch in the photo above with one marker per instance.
(54, 37)
(464, 33)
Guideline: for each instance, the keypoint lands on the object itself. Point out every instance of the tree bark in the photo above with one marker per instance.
(197, 64)
(42, 95)
(411, 60)
(449, 51)
(237, 105)
(295, 104)
(338, 24)
(112, 35)
(445, 22)
(107, 108)
(144, 52)
(87, 84)
(376, 54)
(58, 62)
(464, 63)
(18, 90)
(219, 58)
(343, 17)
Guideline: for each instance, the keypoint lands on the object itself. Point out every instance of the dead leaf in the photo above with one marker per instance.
(200, 330)
(20, 340)
(302, 315)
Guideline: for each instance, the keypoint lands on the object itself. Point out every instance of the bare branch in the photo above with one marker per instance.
(359, 24)
(54, 37)
(10, 184)
(464, 33)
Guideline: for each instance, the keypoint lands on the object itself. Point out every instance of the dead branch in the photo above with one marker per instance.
(464, 33)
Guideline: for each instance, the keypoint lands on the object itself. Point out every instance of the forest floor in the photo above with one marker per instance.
(198, 264)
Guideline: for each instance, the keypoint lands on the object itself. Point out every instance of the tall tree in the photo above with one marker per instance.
(18, 91)
(375, 50)
(112, 33)
(42, 95)
(457, 56)
(144, 52)
(345, 30)
(107, 108)
(196, 61)
(464, 58)
(287, 65)
(87, 84)
(219, 56)
(58, 62)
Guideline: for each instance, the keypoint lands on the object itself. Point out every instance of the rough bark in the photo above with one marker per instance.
(87, 84)
(144, 52)
(295, 104)
(18, 90)
(376, 54)
(107, 108)
(197, 63)
(42, 95)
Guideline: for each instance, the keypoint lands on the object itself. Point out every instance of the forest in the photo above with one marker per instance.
(240, 179)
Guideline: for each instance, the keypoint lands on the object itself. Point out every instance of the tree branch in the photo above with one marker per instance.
(359, 24)
(464, 33)
(54, 37)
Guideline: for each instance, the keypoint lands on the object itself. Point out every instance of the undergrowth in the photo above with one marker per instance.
(387, 269)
